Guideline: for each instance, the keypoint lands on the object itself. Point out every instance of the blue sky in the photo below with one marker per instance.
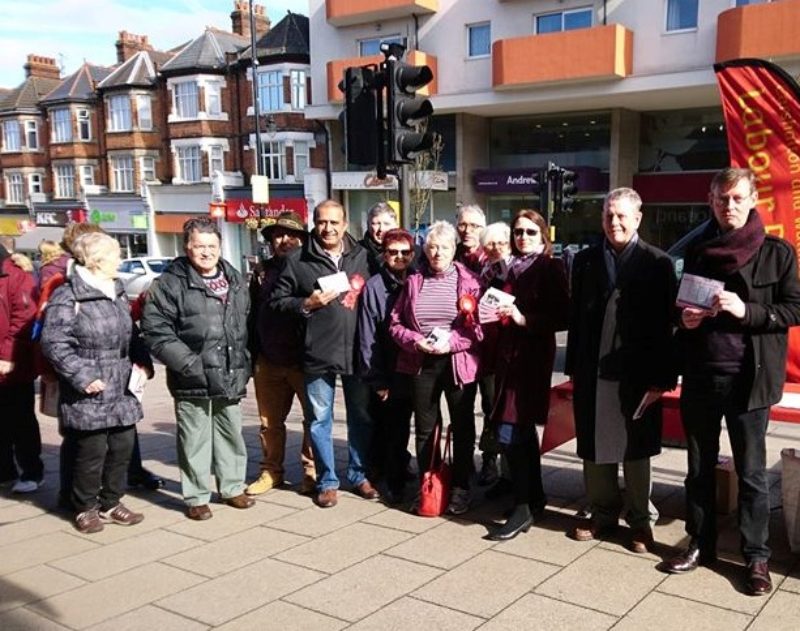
(74, 31)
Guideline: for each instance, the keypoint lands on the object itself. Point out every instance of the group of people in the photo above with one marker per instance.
(402, 329)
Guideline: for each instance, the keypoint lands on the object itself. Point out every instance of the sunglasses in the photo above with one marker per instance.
(393, 252)
(530, 232)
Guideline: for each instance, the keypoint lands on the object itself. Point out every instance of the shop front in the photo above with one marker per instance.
(124, 218)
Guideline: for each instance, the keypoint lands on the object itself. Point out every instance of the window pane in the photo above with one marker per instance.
(480, 40)
(577, 19)
(84, 128)
(11, 136)
(14, 188)
(35, 183)
(213, 99)
(270, 91)
(65, 181)
(120, 110)
(189, 169)
(186, 100)
(681, 14)
(298, 80)
(31, 135)
(548, 23)
(144, 112)
(373, 46)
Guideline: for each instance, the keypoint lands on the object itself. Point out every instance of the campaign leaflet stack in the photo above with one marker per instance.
(761, 103)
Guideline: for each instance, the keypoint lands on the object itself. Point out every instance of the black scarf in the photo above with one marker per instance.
(720, 254)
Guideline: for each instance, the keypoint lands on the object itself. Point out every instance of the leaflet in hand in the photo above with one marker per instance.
(491, 299)
(698, 292)
(438, 338)
(334, 282)
(137, 381)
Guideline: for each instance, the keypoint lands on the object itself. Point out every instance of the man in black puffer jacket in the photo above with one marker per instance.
(195, 322)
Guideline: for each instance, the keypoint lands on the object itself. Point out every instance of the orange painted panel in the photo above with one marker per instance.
(759, 30)
(344, 12)
(172, 222)
(600, 52)
(335, 71)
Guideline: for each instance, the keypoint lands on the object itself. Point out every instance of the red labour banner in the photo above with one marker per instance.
(761, 103)
(238, 210)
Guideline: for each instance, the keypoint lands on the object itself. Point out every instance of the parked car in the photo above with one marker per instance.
(137, 273)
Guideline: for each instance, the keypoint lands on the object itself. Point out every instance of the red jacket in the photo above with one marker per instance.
(17, 311)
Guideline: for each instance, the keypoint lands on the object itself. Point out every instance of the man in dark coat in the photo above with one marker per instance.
(380, 219)
(277, 342)
(19, 431)
(195, 322)
(321, 282)
(619, 356)
(733, 357)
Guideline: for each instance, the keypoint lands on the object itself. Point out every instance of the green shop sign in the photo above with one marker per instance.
(102, 216)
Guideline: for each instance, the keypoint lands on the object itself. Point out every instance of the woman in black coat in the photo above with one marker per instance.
(90, 341)
(526, 348)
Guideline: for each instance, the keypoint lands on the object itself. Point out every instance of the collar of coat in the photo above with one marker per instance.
(84, 291)
(182, 268)
(313, 248)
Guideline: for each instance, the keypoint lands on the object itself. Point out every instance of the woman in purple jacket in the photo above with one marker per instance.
(526, 348)
(434, 321)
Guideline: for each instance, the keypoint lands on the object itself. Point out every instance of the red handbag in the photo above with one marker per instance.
(434, 492)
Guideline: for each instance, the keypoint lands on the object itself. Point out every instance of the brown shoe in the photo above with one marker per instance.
(327, 498)
(367, 491)
(88, 521)
(642, 540)
(199, 513)
(121, 515)
(588, 531)
(240, 501)
(758, 581)
(308, 485)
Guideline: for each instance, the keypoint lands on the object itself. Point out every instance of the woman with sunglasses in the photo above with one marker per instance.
(526, 348)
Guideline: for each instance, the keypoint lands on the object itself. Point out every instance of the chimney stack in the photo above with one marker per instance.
(44, 67)
(129, 44)
(240, 19)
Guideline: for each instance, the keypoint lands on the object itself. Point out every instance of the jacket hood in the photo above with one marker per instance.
(314, 248)
(22, 262)
(84, 291)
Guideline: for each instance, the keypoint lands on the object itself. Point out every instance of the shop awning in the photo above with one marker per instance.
(29, 242)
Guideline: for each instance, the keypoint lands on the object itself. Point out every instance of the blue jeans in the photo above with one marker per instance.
(320, 391)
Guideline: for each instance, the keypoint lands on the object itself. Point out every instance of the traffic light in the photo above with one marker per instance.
(405, 111)
(567, 189)
(362, 116)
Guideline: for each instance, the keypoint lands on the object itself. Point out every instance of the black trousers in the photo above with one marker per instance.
(704, 401)
(436, 378)
(20, 439)
(392, 428)
(525, 466)
(100, 466)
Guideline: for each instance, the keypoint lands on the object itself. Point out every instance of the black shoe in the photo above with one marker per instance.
(688, 560)
(489, 473)
(758, 581)
(520, 521)
(500, 489)
(394, 497)
(146, 480)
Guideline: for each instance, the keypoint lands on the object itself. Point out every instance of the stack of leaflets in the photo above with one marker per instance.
(490, 301)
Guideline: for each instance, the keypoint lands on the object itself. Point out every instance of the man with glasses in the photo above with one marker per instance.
(733, 357)
(195, 322)
(321, 282)
(619, 354)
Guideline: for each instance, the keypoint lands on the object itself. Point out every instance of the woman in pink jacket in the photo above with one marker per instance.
(434, 322)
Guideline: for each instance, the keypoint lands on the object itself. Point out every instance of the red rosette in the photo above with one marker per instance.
(357, 282)
(350, 299)
(467, 304)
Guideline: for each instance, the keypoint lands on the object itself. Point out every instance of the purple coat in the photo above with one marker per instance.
(464, 338)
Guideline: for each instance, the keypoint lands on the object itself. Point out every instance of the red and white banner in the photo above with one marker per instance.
(238, 210)
(761, 103)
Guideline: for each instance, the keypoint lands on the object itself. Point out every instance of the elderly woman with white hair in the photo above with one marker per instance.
(90, 341)
(434, 322)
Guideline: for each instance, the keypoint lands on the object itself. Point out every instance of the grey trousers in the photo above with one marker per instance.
(605, 495)
(210, 441)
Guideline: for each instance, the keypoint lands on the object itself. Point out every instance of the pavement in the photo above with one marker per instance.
(286, 564)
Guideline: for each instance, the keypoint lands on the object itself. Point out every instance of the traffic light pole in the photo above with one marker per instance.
(404, 189)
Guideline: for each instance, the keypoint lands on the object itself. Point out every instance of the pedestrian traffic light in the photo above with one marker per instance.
(567, 188)
(362, 116)
(405, 111)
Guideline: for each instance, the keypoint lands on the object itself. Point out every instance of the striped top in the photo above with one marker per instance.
(437, 302)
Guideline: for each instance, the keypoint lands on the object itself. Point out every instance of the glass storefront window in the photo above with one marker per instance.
(566, 139)
(663, 225)
(685, 140)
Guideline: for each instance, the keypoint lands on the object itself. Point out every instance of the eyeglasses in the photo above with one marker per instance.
(469, 226)
(727, 199)
(495, 244)
(530, 232)
(403, 252)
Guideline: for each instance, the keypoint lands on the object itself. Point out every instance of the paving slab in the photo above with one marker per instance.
(156, 517)
(229, 596)
(633, 578)
(535, 612)
(781, 613)
(22, 619)
(114, 558)
(114, 596)
(486, 584)
(449, 544)
(149, 617)
(547, 541)
(49, 547)
(315, 521)
(232, 552)
(16, 531)
(364, 588)
(227, 521)
(411, 613)
(344, 547)
(403, 520)
(660, 611)
(281, 616)
(792, 582)
(32, 584)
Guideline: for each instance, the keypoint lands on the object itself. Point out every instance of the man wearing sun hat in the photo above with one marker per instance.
(277, 346)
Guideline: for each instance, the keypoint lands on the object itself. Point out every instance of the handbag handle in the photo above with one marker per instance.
(437, 436)
(448, 456)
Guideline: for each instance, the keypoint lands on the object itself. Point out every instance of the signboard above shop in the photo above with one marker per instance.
(239, 210)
